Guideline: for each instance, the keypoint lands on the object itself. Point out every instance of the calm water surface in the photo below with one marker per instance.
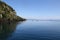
(30, 30)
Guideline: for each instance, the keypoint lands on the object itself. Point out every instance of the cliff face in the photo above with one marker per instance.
(7, 13)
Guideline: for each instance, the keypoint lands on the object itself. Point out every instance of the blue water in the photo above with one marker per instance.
(31, 30)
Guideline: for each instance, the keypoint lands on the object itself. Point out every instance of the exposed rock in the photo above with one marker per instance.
(7, 13)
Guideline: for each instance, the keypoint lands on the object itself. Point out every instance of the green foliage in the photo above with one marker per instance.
(8, 13)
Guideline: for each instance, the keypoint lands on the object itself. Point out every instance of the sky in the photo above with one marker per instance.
(36, 9)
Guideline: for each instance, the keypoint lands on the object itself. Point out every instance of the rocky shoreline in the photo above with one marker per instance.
(8, 14)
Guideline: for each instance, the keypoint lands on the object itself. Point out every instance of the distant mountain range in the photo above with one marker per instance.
(45, 19)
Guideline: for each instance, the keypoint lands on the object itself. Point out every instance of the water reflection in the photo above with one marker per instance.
(6, 30)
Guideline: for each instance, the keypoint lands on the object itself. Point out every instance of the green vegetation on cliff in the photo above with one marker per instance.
(7, 13)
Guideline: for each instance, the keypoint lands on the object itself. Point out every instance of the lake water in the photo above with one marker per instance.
(30, 30)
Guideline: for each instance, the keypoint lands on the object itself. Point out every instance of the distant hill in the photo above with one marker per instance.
(7, 13)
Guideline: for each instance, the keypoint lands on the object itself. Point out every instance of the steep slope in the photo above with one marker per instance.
(7, 13)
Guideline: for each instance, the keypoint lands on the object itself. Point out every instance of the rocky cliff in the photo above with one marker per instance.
(7, 13)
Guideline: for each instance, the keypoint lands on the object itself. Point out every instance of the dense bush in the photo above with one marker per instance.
(8, 13)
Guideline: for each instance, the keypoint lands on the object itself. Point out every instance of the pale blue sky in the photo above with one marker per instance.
(36, 9)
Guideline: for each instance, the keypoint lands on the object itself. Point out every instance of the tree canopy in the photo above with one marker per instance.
(8, 13)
